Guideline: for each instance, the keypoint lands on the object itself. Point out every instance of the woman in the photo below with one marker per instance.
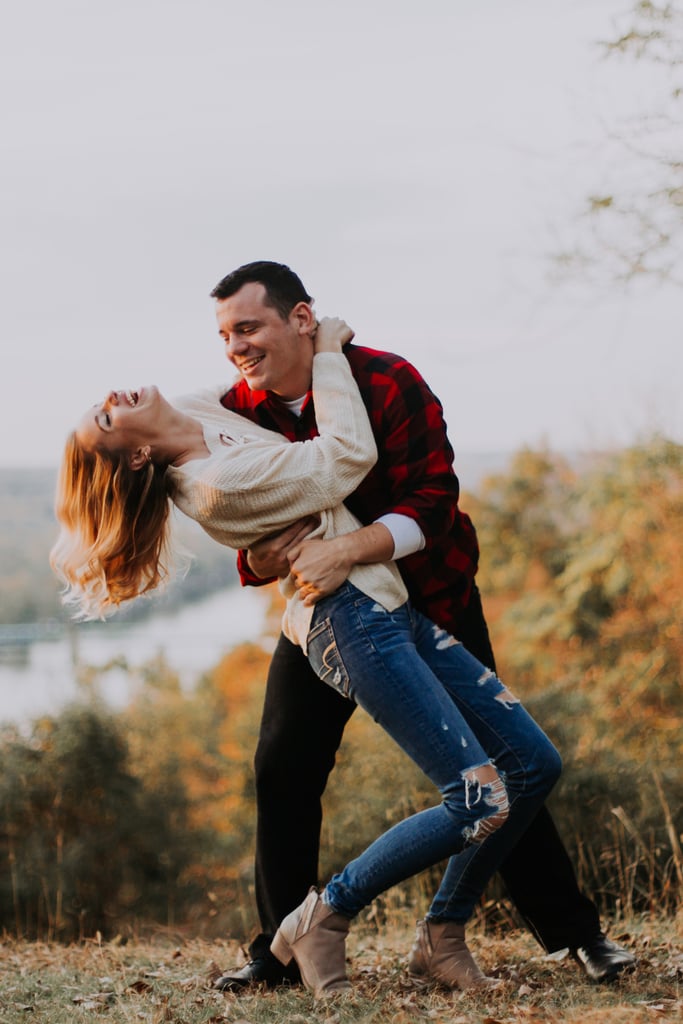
(492, 764)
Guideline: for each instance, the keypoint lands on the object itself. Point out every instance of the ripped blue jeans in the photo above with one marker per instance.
(451, 716)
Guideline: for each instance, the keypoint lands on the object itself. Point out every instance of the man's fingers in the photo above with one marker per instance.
(293, 553)
(308, 591)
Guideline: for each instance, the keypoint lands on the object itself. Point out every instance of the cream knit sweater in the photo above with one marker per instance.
(256, 482)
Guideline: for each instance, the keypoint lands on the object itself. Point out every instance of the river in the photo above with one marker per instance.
(41, 678)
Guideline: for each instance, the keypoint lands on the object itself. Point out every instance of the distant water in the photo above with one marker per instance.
(42, 677)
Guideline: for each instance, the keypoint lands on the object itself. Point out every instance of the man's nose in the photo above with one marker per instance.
(235, 346)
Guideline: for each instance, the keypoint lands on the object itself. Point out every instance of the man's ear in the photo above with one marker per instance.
(140, 457)
(304, 318)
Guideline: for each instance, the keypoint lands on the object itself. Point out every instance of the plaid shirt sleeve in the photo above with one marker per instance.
(414, 475)
(247, 577)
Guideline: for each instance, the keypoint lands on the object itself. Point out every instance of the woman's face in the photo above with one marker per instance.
(123, 422)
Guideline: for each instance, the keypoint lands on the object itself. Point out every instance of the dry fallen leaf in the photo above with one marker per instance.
(95, 1001)
(139, 986)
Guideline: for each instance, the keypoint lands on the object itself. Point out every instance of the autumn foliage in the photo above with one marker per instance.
(113, 821)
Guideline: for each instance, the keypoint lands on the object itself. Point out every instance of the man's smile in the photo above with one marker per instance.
(248, 364)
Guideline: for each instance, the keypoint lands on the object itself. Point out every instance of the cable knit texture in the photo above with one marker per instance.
(256, 482)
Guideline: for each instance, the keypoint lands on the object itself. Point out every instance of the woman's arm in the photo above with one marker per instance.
(269, 558)
(265, 483)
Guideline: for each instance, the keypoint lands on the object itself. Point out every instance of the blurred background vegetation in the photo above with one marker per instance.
(119, 821)
(28, 529)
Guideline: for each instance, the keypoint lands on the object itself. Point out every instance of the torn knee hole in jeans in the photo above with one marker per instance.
(505, 696)
(442, 639)
(489, 790)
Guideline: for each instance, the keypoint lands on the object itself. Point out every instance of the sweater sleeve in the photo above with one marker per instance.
(268, 483)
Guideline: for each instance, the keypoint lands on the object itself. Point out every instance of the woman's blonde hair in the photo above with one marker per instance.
(114, 539)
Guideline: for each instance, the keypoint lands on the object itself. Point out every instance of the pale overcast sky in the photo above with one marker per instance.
(415, 161)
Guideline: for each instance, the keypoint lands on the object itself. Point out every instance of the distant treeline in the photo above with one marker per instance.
(28, 590)
(30, 593)
(111, 822)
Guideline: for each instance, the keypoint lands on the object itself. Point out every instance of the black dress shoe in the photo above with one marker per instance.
(262, 970)
(602, 959)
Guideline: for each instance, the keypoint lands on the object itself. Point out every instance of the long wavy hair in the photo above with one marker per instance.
(114, 542)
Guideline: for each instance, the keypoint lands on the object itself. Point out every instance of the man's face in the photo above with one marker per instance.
(272, 354)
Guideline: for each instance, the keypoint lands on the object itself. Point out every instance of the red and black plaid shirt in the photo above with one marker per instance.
(413, 475)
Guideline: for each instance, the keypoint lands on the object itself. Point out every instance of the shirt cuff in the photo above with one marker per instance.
(407, 535)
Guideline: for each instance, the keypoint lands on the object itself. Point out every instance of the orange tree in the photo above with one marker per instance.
(582, 574)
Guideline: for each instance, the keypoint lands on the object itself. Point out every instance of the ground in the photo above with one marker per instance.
(167, 978)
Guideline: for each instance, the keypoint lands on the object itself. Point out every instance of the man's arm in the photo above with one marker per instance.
(319, 567)
(414, 475)
(412, 488)
(274, 556)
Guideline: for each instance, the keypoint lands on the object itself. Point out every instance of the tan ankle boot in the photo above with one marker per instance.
(315, 935)
(440, 952)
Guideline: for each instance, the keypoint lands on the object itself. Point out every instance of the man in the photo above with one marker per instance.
(413, 491)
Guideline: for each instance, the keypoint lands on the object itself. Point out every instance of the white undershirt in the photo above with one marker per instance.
(406, 532)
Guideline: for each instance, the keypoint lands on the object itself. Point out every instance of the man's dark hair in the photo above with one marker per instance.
(283, 288)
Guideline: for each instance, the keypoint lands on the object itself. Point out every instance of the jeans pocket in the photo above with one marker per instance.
(325, 658)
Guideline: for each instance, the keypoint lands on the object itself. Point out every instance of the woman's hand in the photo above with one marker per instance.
(332, 334)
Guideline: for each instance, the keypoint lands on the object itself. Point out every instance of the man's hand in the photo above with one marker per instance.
(319, 567)
(268, 557)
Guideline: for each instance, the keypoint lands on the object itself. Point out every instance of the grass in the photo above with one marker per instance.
(167, 980)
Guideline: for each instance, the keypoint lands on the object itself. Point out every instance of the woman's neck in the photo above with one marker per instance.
(183, 440)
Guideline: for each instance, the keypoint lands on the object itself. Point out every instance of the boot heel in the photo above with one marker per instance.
(280, 948)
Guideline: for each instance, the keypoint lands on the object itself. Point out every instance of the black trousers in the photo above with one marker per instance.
(301, 730)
